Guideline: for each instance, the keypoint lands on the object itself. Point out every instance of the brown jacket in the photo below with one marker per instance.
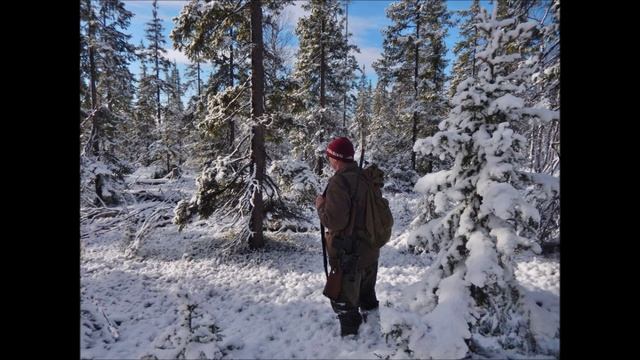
(334, 214)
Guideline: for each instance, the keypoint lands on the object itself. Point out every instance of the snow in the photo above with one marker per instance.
(504, 201)
(541, 286)
(267, 304)
(482, 260)
(445, 323)
(431, 182)
(544, 115)
(505, 103)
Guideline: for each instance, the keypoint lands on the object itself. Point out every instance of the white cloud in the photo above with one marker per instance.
(367, 56)
(292, 13)
(359, 25)
(178, 56)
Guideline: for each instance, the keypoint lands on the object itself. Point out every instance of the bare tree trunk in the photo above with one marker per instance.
(363, 136)
(553, 154)
(157, 78)
(414, 132)
(108, 83)
(95, 122)
(539, 148)
(323, 69)
(346, 40)
(231, 123)
(258, 154)
(198, 78)
(548, 151)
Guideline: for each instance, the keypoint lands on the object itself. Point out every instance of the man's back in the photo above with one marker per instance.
(344, 181)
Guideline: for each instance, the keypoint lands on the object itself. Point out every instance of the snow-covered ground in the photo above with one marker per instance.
(171, 295)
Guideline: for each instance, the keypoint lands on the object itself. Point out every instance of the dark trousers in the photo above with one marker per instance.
(357, 291)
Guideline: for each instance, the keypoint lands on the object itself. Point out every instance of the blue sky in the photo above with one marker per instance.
(367, 18)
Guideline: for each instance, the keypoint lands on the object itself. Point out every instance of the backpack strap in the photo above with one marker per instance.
(324, 244)
(352, 210)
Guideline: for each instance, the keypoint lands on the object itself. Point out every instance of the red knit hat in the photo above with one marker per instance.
(340, 149)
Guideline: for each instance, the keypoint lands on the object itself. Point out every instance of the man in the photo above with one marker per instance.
(358, 287)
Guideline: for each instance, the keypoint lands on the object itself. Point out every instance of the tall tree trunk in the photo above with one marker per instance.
(414, 132)
(157, 71)
(323, 69)
(95, 122)
(258, 155)
(346, 56)
(198, 64)
(539, 135)
(107, 81)
(473, 56)
(231, 123)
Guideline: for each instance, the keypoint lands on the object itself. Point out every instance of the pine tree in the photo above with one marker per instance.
(155, 54)
(168, 147)
(480, 218)
(324, 71)
(280, 101)
(235, 184)
(88, 13)
(107, 89)
(116, 84)
(363, 111)
(465, 50)
(413, 63)
(145, 114)
(194, 78)
(217, 32)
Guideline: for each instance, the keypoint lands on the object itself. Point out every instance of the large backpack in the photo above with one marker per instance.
(378, 219)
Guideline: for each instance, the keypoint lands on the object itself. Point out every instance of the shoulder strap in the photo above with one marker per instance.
(352, 210)
(324, 245)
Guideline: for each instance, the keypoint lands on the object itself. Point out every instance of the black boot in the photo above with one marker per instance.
(369, 305)
(349, 323)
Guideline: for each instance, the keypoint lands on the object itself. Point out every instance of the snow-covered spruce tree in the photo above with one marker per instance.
(471, 300)
(233, 185)
(324, 67)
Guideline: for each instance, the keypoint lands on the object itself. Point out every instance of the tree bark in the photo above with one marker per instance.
(258, 155)
(95, 122)
(414, 132)
(156, 47)
(198, 78)
(323, 65)
(346, 56)
(231, 123)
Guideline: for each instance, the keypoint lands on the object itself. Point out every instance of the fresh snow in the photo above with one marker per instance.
(172, 294)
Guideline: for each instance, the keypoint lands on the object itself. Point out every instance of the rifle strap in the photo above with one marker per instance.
(324, 245)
